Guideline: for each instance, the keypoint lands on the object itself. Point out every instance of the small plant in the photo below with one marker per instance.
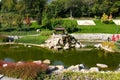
(104, 18)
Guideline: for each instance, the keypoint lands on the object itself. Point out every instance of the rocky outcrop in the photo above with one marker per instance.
(62, 42)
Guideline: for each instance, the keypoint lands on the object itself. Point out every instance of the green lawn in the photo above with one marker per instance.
(19, 33)
(100, 28)
(44, 35)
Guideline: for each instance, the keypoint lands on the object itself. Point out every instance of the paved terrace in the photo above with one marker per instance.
(93, 36)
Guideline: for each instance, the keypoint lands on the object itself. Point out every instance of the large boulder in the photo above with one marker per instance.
(60, 67)
(37, 62)
(94, 69)
(81, 66)
(73, 68)
(77, 45)
(47, 61)
(66, 46)
(102, 65)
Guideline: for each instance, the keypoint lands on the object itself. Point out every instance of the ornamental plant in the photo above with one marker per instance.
(104, 18)
(25, 71)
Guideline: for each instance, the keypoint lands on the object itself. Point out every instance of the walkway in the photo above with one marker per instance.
(7, 78)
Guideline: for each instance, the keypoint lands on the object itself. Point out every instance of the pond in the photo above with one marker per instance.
(89, 57)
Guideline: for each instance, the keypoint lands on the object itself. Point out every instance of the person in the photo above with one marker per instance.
(108, 39)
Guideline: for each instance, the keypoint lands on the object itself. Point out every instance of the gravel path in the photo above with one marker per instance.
(7, 78)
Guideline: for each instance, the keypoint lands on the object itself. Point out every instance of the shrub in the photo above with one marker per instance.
(56, 22)
(35, 25)
(70, 25)
(26, 71)
(104, 18)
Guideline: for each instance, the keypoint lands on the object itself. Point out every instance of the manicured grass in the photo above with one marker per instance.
(44, 35)
(19, 33)
(32, 39)
(100, 28)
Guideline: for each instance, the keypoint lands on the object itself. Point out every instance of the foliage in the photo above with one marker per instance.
(56, 22)
(26, 71)
(110, 45)
(104, 18)
(70, 25)
(13, 12)
(35, 25)
(46, 21)
(117, 43)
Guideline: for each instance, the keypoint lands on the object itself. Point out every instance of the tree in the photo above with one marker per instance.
(8, 5)
(70, 5)
(34, 8)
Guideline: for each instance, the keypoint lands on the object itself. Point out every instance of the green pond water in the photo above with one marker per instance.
(89, 57)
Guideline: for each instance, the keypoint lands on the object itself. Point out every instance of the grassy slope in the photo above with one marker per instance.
(99, 28)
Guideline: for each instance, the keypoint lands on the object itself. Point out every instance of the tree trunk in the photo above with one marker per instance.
(71, 13)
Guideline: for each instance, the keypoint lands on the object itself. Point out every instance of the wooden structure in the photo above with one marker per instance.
(59, 30)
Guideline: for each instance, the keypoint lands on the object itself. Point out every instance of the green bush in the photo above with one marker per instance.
(46, 23)
(70, 25)
(35, 25)
(104, 18)
(56, 22)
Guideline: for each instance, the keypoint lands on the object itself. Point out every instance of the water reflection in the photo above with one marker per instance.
(58, 63)
(9, 60)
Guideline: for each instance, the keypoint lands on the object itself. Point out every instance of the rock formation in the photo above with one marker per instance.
(62, 42)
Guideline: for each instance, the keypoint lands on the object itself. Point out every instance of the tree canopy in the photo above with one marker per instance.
(13, 12)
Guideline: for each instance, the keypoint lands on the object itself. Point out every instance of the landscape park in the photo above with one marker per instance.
(59, 40)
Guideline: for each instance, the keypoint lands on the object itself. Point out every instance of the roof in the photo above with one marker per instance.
(60, 28)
